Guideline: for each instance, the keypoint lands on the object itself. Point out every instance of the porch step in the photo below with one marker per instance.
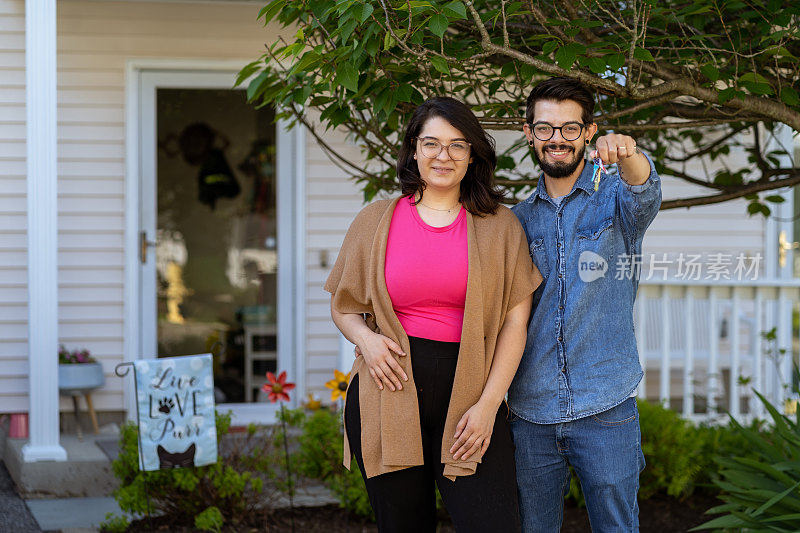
(86, 472)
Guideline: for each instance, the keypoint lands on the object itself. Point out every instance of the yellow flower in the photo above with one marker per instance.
(338, 385)
(312, 402)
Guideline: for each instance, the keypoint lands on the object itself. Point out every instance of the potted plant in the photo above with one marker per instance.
(78, 371)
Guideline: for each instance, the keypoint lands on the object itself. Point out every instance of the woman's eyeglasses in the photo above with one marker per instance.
(431, 148)
(544, 131)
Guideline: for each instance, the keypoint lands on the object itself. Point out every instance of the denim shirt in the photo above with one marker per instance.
(581, 357)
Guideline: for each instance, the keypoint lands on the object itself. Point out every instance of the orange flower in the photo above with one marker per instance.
(312, 402)
(277, 388)
(338, 385)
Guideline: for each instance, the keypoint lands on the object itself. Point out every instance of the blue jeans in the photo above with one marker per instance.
(605, 451)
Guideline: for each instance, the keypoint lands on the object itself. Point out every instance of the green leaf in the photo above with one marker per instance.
(549, 46)
(695, 10)
(721, 522)
(255, 85)
(346, 29)
(455, 10)
(565, 57)
(775, 199)
(642, 55)
(775, 499)
(752, 77)
(440, 64)
(438, 24)
(310, 59)
(789, 96)
(347, 77)
(404, 93)
(246, 72)
(388, 41)
(710, 71)
(615, 62)
(270, 10)
(726, 95)
(366, 11)
(596, 64)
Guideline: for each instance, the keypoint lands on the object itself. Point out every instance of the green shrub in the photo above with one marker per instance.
(114, 524)
(672, 449)
(718, 441)
(761, 488)
(233, 485)
(209, 520)
(319, 456)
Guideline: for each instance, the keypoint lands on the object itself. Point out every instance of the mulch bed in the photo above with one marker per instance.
(659, 513)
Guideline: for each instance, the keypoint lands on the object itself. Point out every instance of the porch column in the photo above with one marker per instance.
(40, 81)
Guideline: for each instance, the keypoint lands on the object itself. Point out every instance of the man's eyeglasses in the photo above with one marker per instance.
(544, 131)
(431, 148)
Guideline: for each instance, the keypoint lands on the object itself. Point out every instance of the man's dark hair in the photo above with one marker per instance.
(479, 193)
(560, 89)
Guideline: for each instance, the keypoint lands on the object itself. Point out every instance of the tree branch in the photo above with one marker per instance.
(794, 179)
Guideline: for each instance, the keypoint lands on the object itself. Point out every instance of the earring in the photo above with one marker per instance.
(587, 141)
(530, 143)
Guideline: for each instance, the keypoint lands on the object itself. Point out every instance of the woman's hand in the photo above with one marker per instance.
(474, 431)
(383, 367)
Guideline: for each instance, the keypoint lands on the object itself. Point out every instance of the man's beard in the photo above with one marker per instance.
(561, 169)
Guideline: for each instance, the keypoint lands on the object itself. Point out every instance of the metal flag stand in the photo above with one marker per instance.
(122, 370)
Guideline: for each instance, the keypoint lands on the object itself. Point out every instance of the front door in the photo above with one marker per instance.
(210, 256)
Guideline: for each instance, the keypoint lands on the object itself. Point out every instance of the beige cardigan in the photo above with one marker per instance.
(501, 274)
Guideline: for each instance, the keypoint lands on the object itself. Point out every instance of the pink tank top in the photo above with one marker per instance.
(426, 273)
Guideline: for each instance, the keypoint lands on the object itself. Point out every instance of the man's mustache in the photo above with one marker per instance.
(558, 147)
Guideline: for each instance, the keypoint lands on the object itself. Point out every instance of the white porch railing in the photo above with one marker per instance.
(705, 346)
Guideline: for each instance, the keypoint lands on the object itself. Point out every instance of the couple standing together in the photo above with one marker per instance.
(454, 302)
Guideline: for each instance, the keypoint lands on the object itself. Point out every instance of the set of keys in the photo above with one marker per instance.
(599, 170)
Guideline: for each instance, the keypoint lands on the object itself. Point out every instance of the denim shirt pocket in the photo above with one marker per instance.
(597, 237)
(593, 232)
(539, 256)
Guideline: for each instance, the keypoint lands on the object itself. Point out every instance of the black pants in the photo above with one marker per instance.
(405, 501)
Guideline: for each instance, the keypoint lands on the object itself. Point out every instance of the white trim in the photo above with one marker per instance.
(762, 282)
(42, 207)
(291, 224)
(299, 268)
(781, 213)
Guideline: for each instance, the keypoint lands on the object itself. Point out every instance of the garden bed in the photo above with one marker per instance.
(659, 513)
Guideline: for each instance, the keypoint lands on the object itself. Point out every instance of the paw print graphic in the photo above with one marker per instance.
(165, 405)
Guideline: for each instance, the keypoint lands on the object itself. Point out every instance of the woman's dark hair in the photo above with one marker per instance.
(479, 193)
(560, 89)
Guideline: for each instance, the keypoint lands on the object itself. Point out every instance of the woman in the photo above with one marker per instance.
(445, 280)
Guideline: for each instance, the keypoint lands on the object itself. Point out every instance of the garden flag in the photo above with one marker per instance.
(176, 412)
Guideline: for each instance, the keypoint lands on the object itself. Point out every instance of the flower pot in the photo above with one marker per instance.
(80, 378)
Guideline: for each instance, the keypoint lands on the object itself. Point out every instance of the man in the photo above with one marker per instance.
(573, 397)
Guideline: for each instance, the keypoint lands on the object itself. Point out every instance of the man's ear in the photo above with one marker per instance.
(591, 131)
(526, 128)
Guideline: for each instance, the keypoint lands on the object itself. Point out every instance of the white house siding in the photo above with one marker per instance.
(13, 224)
(332, 202)
(95, 40)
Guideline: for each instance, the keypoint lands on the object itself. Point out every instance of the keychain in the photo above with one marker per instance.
(599, 169)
